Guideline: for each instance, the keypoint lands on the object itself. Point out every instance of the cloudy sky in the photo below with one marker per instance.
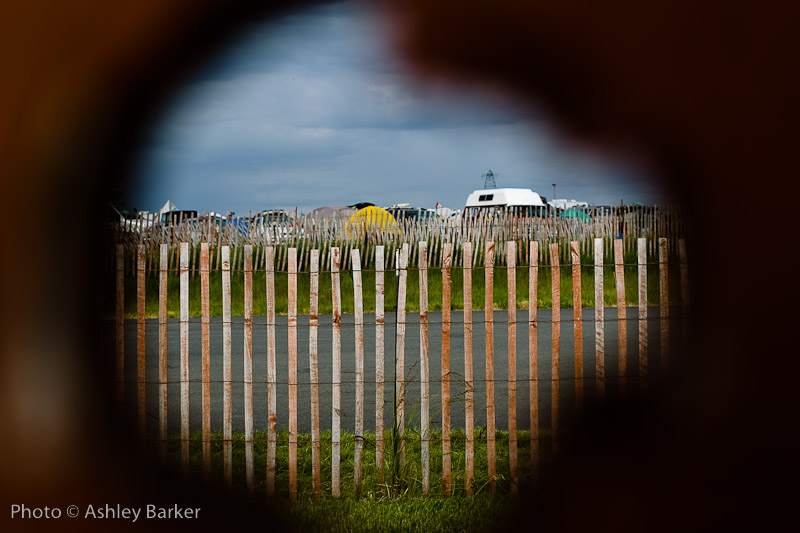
(314, 109)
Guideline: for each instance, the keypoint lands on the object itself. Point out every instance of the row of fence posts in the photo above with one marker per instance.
(306, 233)
(399, 423)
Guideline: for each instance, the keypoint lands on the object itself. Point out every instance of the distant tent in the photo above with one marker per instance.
(574, 212)
(445, 212)
(370, 217)
(331, 212)
(169, 206)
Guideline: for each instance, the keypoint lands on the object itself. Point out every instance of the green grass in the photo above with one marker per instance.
(500, 294)
(480, 513)
(378, 508)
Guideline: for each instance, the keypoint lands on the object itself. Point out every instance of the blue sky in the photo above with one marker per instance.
(316, 109)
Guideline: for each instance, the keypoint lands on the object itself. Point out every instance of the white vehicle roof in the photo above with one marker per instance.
(503, 197)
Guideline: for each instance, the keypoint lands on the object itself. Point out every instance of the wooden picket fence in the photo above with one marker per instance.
(305, 233)
(378, 259)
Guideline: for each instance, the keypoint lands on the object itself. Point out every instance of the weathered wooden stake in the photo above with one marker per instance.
(358, 308)
(491, 457)
(555, 278)
(511, 263)
(533, 353)
(577, 310)
(337, 373)
(599, 321)
(663, 275)
(120, 333)
(447, 261)
(292, 338)
(218, 230)
(184, 299)
(379, 361)
(399, 356)
(248, 367)
(425, 368)
(313, 363)
(469, 407)
(227, 405)
(162, 350)
(272, 388)
(141, 380)
(642, 256)
(206, 359)
(619, 272)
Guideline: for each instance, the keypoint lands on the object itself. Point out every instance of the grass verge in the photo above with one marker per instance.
(378, 509)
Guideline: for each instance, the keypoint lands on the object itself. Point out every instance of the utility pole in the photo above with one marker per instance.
(488, 180)
(554, 191)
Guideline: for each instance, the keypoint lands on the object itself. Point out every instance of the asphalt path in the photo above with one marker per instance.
(412, 366)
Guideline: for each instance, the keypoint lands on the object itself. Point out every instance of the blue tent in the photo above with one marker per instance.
(574, 212)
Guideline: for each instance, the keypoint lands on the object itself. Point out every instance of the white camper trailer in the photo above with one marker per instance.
(494, 199)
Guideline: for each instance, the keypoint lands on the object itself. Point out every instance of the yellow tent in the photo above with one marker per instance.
(372, 217)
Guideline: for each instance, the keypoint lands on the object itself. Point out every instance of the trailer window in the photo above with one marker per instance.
(485, 197)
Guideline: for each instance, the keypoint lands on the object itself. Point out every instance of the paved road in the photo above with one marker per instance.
(567, 389)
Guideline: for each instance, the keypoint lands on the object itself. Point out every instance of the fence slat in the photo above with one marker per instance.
(313, 363)
(577, 315)
(227, 398)
(447, 260)
(337, 373)
(425, 367)
(533, 353)
(173, 241)
(663, 279)
(642, 256)
(162, 349)
(272, 389)
(489, 325)
(469, 414)
(141, 380)
(599, 322)
(248, 366)
(218, 233)
(619, 273)
(358, 308)
(292, 338)
(206, 359)
(399, 357)
(325, 252)
(379, 361)
(120, 332)
(555, 278)
(184, 299)
(511, 263)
